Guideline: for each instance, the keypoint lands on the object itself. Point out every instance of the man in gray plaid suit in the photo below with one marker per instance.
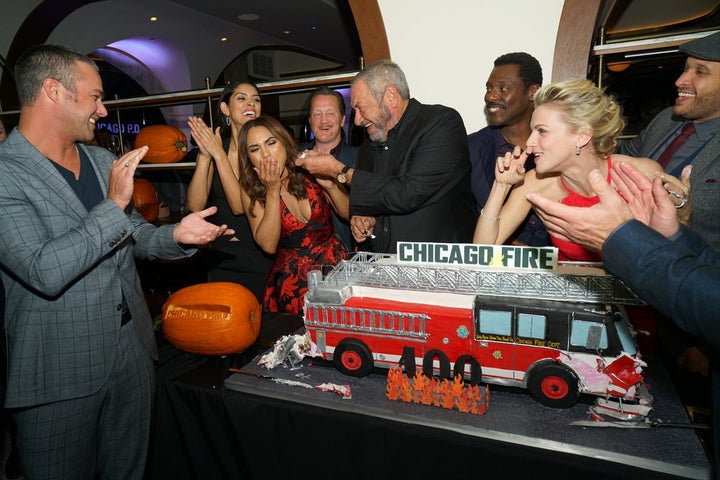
(80, 343)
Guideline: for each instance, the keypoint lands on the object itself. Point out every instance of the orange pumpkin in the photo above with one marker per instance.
(166, 144)
(145, 199)
(215, 318)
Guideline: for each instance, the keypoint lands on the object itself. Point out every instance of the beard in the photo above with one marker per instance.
(381, 125)
(704, 107)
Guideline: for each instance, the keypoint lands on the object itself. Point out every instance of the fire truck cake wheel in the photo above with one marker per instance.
(554, 386)
(352, 357)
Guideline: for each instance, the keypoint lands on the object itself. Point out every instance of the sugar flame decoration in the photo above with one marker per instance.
(440, 393)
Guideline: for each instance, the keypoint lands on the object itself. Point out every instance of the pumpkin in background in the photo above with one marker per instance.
(145, 199)
(215, 318)
(166, 144)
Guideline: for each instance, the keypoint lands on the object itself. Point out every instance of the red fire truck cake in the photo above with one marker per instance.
(499, 314)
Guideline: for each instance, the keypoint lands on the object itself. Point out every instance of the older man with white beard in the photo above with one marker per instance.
(412, 180)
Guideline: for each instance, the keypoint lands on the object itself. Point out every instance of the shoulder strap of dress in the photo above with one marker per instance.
(609, 166)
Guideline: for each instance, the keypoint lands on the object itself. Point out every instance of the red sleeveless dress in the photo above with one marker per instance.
(572, 252)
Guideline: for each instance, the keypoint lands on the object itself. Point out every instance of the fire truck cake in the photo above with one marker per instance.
(497, 314)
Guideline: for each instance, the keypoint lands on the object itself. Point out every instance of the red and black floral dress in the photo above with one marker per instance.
(302, 247)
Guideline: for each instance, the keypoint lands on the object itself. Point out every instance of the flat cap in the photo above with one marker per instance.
(705, 48)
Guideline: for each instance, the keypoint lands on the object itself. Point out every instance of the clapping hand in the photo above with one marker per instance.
(634, 196)
(679, 191)
(648, 201)
(121, 182)
(208, 142)
(193, 229)
(585, 226)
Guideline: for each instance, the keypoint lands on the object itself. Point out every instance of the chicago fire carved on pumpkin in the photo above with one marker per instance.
(198, 312)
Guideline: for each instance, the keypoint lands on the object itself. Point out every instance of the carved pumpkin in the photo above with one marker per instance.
(215, 318)
(166, 144)
(145, 199)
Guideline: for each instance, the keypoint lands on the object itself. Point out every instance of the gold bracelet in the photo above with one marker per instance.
(492, 219)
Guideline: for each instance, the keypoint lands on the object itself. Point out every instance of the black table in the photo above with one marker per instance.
(261, 429)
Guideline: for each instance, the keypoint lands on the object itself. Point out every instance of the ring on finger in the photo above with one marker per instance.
(127, 164)
(679, 196)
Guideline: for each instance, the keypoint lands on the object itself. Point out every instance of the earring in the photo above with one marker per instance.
(577, 150)
(227, 120)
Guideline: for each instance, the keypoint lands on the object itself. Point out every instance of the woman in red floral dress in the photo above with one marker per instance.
(289, 212)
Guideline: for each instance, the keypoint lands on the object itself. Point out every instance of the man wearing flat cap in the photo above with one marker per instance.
(697, 111)
(697, 104)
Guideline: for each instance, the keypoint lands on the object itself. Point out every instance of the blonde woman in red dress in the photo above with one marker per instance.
(574, 131)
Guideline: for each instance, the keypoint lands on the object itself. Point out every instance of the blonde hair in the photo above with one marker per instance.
(584, 106)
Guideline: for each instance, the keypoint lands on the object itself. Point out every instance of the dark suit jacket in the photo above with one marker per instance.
(417, 183)
(689, 292)
(64, 271)
(485, 146)
(704, 179)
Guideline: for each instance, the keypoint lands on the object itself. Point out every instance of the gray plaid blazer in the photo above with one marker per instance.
(64, 271)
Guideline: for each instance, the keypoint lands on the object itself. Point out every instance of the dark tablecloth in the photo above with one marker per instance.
(203, 430)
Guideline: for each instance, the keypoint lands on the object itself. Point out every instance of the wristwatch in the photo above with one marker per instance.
(341, 177)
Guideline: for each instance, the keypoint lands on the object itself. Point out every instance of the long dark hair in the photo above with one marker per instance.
(249, 178)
